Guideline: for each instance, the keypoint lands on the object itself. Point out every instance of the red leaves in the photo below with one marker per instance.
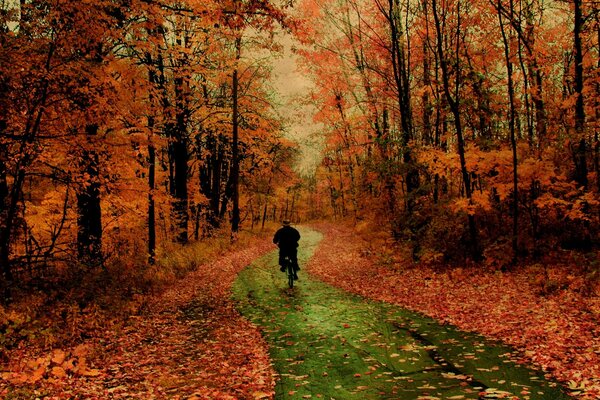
(560, 333)
(190, 341)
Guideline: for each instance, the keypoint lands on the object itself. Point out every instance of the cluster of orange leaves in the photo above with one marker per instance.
(54, 366)
(187, 342)
(559, 332)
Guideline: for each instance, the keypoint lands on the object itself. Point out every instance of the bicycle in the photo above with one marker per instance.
(289, 267)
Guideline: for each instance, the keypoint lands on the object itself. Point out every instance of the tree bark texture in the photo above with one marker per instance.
(89, 211)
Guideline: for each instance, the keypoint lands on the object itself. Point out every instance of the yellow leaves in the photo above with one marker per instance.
(495, 165)
(38, 363)
(462, 205)
(427, 387)
(541, 171)
(452, 375)
(483, 163)
(14, 317)
(576, 386)
(91, 372)
(81, 351)
(493, 393)
(438, 161)
(573, 206)
(481, 199)
(492, 174)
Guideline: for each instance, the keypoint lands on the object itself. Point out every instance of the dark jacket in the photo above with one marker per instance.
(286, 238)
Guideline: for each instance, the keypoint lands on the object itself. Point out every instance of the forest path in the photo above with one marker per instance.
(326, 343)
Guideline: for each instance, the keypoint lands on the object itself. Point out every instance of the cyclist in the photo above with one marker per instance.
(286, 238)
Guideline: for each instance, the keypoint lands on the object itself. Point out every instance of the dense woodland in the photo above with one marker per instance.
(470, 126)
(126, 125)
(141, 138)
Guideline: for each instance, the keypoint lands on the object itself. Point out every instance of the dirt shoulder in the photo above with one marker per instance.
(558, 332)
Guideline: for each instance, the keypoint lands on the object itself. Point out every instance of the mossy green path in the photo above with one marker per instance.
(326, 343)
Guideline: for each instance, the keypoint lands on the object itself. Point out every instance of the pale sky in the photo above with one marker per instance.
(293, 88)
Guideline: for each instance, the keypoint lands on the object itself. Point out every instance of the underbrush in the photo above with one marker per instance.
(55, 322)
(443, 244)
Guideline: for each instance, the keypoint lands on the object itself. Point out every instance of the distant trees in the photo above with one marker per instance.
(475, 114)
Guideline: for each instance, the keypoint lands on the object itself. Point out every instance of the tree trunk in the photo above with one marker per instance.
(532, 77)
(597, 159)
(580, 148)
(512, 121)
(526, 96)
(291, 214)
(401, 79)
(361, 66)
(426, 98)
(151, 172)
(597, 105)
(235, 166)
(454, 104)
(151, 202)
(24, 156)
(180, 163)
(180, 204)
(215, 198)
(388, 179)
(89, 211)
(4, 209)
(346, 139)
(210, 177)
(536, 80)
(264, 217)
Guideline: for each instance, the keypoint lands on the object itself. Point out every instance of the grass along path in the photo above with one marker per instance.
(326, 343)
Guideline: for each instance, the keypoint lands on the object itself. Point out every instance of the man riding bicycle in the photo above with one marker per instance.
(287, 239)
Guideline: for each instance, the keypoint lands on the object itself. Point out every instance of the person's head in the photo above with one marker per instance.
(286, 222)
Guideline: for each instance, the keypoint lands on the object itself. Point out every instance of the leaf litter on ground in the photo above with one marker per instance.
(558, 333)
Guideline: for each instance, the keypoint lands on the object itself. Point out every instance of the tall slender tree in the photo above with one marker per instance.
(453, 98)
(580, 142)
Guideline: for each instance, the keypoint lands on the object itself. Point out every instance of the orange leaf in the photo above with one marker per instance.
(59, 372)
(37, 374)
(58, 356)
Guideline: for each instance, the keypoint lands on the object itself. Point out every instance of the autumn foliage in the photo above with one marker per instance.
(118, 149)
(184, 340)
(116, 126)
(470, 128)
(140, 141)
(556, 330)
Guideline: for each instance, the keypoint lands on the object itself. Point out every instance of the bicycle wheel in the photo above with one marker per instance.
(290, 273)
